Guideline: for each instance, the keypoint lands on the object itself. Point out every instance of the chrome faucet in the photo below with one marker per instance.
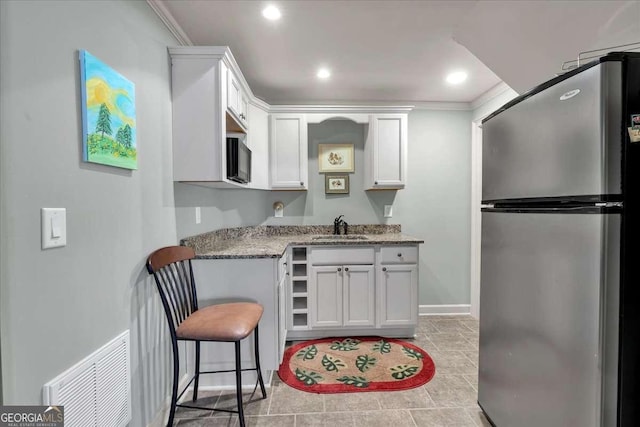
(337, 223)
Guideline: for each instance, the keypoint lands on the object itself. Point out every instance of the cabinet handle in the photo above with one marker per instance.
(399, 254)
(384, 268)
(339, 269)
(375, 182)
(287, 273)
(301, 183)
(346, 269)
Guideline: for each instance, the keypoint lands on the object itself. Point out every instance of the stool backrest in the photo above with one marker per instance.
(172, 270)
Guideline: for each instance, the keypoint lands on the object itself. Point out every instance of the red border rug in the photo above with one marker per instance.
(354, 365)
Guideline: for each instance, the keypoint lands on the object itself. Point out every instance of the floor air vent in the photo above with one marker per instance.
(96, 391)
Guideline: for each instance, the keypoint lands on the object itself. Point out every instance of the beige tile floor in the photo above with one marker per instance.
(449, 399)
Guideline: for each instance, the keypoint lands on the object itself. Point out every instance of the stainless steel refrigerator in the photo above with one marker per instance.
(560, 278)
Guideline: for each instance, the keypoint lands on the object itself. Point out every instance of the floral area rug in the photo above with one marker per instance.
(345, 365)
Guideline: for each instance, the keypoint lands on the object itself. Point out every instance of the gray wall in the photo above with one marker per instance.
(434, 206)
(59, 305)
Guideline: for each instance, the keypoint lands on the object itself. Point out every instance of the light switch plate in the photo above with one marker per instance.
(388, 211)
(54, 227)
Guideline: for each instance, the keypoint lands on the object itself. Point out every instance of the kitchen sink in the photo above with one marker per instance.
(340, 237)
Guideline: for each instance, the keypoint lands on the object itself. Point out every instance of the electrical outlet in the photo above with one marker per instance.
(388, 211)
(198, 215)
(278, 209)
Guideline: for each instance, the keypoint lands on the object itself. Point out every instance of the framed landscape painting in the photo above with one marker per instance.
(335, 158)
(108, 115)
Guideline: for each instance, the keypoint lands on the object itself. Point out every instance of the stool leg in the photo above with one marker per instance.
(239, 385)
(174, 393)
(257, 354)
(197, 375)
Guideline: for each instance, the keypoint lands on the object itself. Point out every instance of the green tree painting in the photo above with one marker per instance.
(108, 105)
(104, 121)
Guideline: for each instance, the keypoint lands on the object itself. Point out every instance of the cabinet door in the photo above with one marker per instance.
(198, 118)
(325, 297)
(398, 295)
(387, 151)
(282, 316)
(288, 149)
(234, 94)
(358, 295)
(244, 110)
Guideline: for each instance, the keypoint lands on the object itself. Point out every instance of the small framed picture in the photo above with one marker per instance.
(336, 184)
(335, 158)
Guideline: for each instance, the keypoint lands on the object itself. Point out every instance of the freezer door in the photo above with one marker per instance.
(543, 319)
(562, 141)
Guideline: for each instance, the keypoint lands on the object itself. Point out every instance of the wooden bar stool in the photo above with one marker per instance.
(231, 322)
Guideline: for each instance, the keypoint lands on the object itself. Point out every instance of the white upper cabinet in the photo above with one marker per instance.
(288, 152)
(201, 122)
(212, 101)
(258, 143)
(244, 110)
(237, 101)
(386, 152)
(234, 94)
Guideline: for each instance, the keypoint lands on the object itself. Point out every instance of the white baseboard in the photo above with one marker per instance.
(245, 387)
(162, 416)
(444, 309)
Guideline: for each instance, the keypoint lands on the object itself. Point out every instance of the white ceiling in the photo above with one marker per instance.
(401, 51)
(526, 42)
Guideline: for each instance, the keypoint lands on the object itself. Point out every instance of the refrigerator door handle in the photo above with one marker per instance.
(610, 205)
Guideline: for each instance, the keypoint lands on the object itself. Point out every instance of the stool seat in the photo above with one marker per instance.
(221, 322)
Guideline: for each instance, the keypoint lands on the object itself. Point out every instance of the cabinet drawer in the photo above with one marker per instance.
(341, 256)
(399, 255)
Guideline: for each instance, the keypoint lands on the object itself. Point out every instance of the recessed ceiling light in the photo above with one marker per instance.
(271, 12)
(323, 73)
(456, 77)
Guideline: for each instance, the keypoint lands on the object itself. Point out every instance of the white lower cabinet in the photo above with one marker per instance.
(357, 290)
(358, 302)
(326, 297)
(397, 294)
(282, 305)
(342, 296)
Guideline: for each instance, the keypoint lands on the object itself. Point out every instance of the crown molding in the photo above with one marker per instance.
(218, 53)
(259, 103)
(341, 109)
(489, 95)
(169, 21)
(448, 106)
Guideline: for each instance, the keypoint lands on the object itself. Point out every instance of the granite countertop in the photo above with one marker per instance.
(272, 241)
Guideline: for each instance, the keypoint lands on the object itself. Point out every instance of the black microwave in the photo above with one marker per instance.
(238, 161)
